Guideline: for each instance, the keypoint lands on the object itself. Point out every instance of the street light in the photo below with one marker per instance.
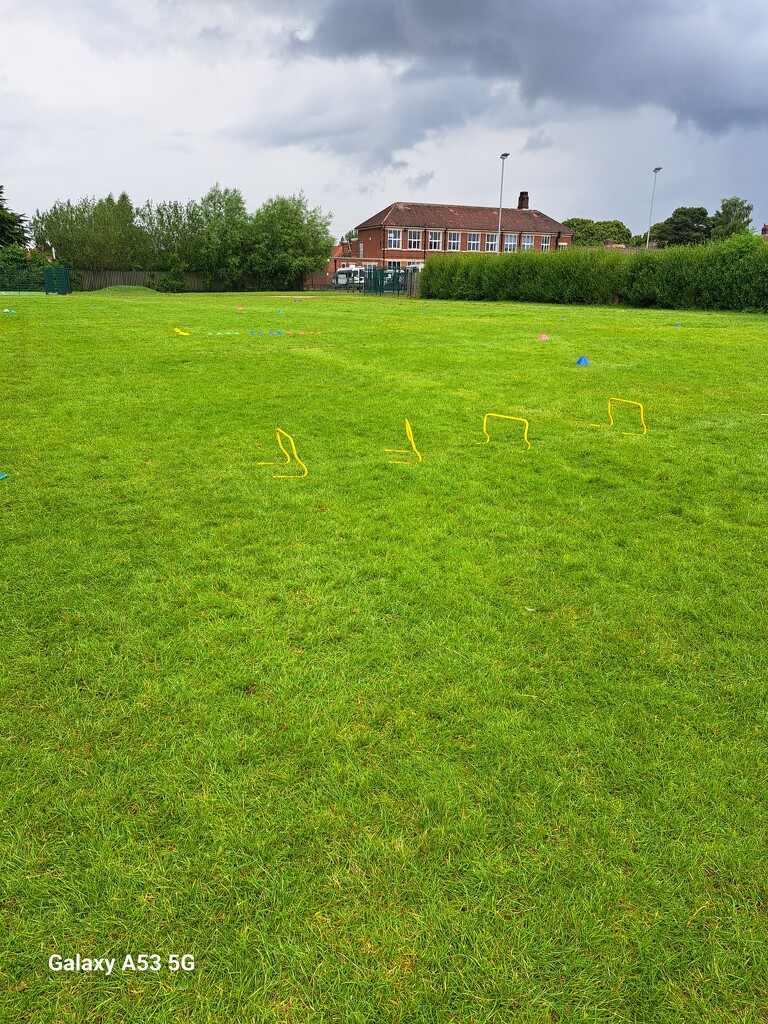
(650, 215)
(501, 193)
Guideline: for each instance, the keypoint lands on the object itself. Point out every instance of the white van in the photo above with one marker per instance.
(349, 276)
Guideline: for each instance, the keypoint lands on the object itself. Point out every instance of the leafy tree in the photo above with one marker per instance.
(688, 225)
(289, 241)
(13, 227)
(221, 252)
(65, 228)
(173, 232)
(595, 232)
(93, 234)
(733, 218)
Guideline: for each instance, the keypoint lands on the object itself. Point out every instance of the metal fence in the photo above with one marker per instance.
(51, 280)
(382, 281)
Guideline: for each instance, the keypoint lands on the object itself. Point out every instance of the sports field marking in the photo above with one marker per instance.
(500, 416)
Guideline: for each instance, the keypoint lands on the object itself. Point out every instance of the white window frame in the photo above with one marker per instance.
(473, 241)
(394, 238)
(510, 243)
(453, 242)
(527, 243)
(435, 241)
(562, 245)
(414, 238)
(393, 264)
(491, 241)
(546, 243)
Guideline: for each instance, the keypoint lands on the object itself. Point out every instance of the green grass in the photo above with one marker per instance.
(481, 739)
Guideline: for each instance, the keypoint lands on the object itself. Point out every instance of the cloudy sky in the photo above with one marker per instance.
(364, 102)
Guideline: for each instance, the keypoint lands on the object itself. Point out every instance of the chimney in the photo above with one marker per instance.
(764, 232)
(522, 202)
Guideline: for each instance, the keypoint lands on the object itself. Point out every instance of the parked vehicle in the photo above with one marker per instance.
(349, 277)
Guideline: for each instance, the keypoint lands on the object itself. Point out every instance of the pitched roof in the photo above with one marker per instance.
(465, 218)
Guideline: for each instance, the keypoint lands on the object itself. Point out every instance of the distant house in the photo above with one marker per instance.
(764, 232)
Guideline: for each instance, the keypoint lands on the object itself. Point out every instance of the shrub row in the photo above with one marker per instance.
(726, 275)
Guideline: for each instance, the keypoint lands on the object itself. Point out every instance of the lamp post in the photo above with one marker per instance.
(501, 194)
(650, 215)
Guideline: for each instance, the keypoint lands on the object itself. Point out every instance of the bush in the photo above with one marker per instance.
(174, 281)
(721, 275)
(577, 275)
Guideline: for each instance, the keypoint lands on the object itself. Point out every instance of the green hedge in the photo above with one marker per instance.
(724, 275)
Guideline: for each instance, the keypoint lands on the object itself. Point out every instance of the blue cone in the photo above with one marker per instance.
(582, 361)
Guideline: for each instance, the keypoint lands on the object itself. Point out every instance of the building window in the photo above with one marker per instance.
(545, 241)
(435, 239)
(491, 242)
(454, 241)
(394, 238)
(527, 245)
(393, 264)
(414, 238)
(473, 241)
(510, 243)
(562, 245)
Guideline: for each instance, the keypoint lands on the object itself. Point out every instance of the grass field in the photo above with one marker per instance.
(476, 739)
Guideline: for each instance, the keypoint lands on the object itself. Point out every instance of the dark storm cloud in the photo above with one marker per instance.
(705, 63)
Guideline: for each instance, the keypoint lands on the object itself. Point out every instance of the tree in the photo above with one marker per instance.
(688, 225)
(221, 250)
(13, 226)
(93, 234)
(65, 228)
(595, 232)
(289, 241)
(733, 218)
(173, 232)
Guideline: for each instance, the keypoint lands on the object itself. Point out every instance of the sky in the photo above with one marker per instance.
(361, 103)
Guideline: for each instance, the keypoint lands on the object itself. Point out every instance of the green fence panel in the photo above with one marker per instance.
(56, 280)
(35, 279)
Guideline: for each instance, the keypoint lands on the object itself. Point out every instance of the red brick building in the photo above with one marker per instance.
(409, 233)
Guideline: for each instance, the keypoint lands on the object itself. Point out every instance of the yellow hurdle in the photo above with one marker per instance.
(285, 476)
(626, 401)
(405, 451)
(499, 416)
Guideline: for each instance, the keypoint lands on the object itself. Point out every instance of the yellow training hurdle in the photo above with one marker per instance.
(626, 401)
(499, 416)
(405, 451)
(285, 476)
